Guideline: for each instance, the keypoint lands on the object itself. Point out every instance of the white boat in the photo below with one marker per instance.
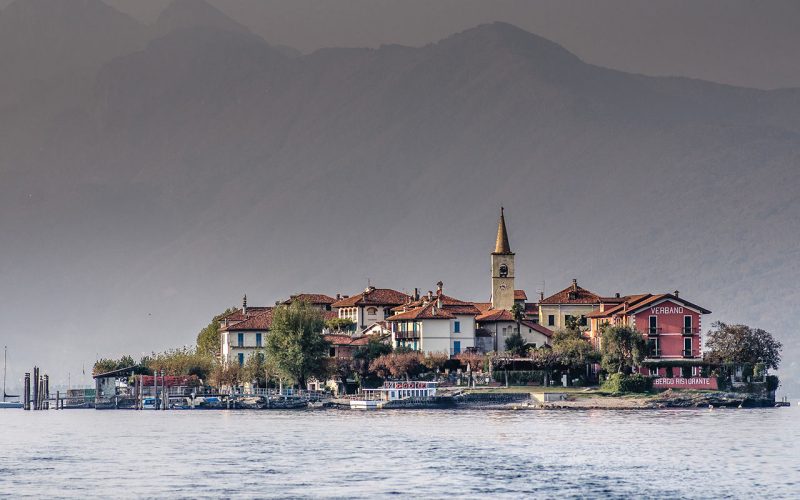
(365, 404)
(373, 399)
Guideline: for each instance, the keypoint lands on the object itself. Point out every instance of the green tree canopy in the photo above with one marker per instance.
(208, 340)
(622, 349)
(295, 343)
(572, 350)
(742, 344)
(340, 324)
(515, 344)
(364, 355)
(182, 361)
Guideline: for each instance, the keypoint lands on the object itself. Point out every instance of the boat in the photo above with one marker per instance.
(374, 399)
(7, 404)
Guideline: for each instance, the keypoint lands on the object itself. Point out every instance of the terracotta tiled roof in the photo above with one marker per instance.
(538, 328)
(237, 315)
(493, 315)
(311, 298)
(261, 321)
(339, 339)
(531, 308)
(425, 312)
(520, 295)
(326, 315)
(374, 296)
(482, 306)
(450, 304)
(572, 295)
(636, 303)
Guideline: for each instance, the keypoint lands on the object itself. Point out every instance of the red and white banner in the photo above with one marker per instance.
(686, 383)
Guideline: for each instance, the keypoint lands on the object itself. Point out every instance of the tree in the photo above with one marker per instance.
(515, 343)
(255, 368)
(295, 343)
(365, 355)
(182, 361)
(435, 361)
(398, 364)
(573, 351)
(742, 344)
(622, 349)
(208, 340)
(340, 324)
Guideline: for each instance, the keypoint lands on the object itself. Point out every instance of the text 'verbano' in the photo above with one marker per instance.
(666, 310)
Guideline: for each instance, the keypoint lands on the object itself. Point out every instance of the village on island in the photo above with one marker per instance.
(383, 348)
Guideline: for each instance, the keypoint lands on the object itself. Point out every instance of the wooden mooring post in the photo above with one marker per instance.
(26, 403)
(36, 387)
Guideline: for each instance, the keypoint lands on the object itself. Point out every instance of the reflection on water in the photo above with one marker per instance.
(333, 453)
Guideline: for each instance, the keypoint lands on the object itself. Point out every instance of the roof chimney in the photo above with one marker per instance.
(338, 296)
(416, 294)
(244, 304)
(439, 286)
(677, 293)
(574, 285)
(430, 295)
(616, 295)
(541, 295)
(439, 302)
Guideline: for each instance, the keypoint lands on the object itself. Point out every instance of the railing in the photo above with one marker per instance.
(653, 331)
(690, 331)
(688, 353)
(406, 335)
(654, 353)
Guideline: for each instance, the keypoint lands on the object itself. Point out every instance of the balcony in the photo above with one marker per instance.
(654, 353)
(688, 353)
(653, 332)
(690, 331)
(406, 335)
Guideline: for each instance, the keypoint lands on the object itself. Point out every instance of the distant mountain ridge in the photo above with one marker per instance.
(203, 163)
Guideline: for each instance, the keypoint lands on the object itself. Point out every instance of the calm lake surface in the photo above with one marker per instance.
(431, 454)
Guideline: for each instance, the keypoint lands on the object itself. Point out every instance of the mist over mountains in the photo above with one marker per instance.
(152, 174)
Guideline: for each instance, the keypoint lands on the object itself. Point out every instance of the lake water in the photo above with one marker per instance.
(431, 454)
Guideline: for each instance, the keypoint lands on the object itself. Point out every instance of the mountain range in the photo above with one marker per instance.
(152, 174)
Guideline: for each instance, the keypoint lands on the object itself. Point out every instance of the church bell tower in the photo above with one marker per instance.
(502, 268)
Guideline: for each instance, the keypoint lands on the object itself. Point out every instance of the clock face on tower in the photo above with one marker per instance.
(502, 286)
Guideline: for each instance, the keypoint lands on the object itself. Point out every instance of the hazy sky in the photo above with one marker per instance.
(741, 42)
(143, 190)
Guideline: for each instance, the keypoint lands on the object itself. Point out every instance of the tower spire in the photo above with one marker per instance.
(501, 245)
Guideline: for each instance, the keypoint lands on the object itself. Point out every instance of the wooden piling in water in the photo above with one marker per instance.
(26, 403)
(46, 393)
(35, 387)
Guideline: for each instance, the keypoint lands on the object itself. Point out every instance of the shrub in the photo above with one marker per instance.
(772, 382)
(617, 383)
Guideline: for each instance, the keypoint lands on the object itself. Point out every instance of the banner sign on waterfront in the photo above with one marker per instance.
(686, 383)
(408, 385)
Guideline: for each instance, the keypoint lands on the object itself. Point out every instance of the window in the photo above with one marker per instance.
(332, 352)
(653, 324)
(457, 327)
(686, 371)
(372, 311)
(583, 321)
(457, 347)
(241, 358)
(687, 347)
(551, 320)
(654, 371)
(503, 271)
(258, 340)
(240, 339)
(687, 325)
(652, 348)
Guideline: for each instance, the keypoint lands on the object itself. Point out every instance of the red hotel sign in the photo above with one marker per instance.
(686, 383)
